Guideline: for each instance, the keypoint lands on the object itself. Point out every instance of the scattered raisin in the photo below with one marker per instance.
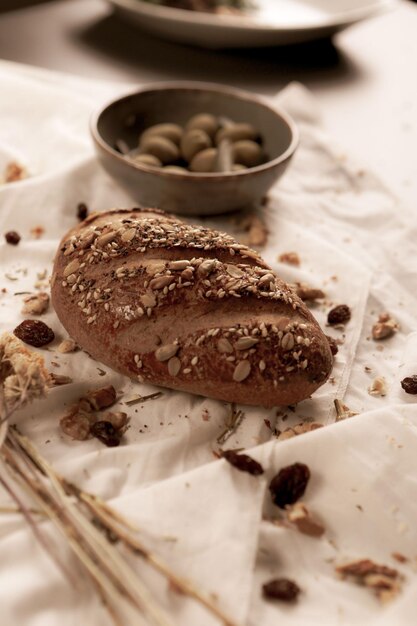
(334, 349)
(12, 237)
(243, 462)
(409, 384)
(289, 484)
(82, 211)
(34, 332)
(106, 433)
(339, 314)
(281, 589)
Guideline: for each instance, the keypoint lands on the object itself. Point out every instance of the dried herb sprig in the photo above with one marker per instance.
(113, 522)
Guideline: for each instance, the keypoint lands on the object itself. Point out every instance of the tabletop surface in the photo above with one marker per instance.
(365, 80)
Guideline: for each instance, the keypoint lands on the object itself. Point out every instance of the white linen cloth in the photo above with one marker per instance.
(357, 244)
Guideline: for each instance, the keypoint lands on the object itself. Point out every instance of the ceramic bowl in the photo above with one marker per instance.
(123, 120)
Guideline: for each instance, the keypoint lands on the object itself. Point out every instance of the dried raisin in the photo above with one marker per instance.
(281, 589)
(339, 314)
(106, 433)
(289, 484)
(34, 332)
(12, 237)
(243, 462)
(409, 384)
(82, 211)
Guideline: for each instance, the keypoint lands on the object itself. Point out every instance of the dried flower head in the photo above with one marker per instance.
(23, 376)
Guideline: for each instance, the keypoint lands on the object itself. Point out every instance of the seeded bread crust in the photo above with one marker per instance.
(186, 307)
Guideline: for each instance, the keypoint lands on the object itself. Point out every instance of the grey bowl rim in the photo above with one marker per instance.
(197, 86)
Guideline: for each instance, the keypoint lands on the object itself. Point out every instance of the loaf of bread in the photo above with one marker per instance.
(186, 307)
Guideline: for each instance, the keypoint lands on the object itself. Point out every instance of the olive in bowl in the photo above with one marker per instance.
(194, 148)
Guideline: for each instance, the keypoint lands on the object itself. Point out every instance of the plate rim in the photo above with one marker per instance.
(141, 7)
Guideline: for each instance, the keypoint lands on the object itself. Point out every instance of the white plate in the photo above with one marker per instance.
(268, 23)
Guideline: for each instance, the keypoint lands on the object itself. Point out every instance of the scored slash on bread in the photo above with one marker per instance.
(186, 307)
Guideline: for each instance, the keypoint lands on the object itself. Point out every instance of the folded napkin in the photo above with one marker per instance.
(203, 516)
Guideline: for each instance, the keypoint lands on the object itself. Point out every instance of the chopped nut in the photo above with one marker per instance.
(409, 384)
(243, 462)
(385, 327)
(291, 258)
(76, 423)
(289, 484)
(378, 387)
(383, 580)
(37, 232)
(14, 172)
(12, 237)
(257, 232)
(299, 515)
(57, 380)
(67, 345)
(399, 557)
(118, 420)
(339, 315)
(364, 567)
(298, 429)
(307, 293)
(101, 398)
(281, 589)
(35, 304)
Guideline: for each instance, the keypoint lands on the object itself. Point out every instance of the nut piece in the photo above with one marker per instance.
(243, 462)
(242, 371)
(173, 132)
(203, 121)
(12, 237)
(77, 424)
(101, 398)
(281, 589)
(14, 172)
(409, 384)
(385, 327)
(34, 333)
(164, 149)
(291, 258)
(194, 141)
(289, 484)
(307, 293)
(299, 429)
(204, 161)
(247, 153)
(118, 420)
(287, 342)
(67, 345)
(378, 387)
(339, 315)
(35, 304)
(299, 515)
(147, 159)
(382, 580)
(164, 353)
